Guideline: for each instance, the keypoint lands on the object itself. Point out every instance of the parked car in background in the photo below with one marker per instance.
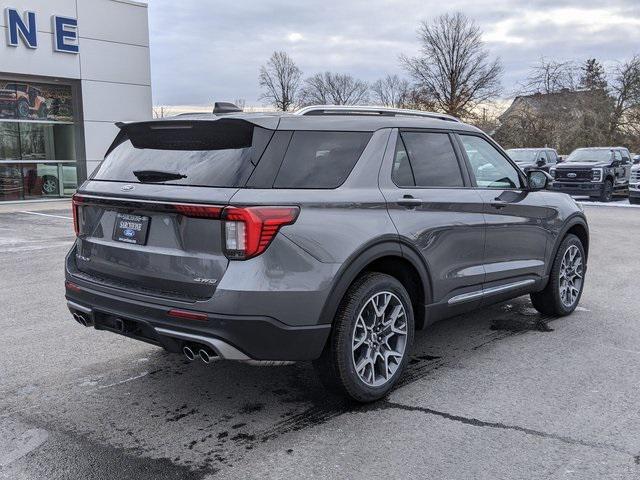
(50, 174)
(541, 158)
(634, 184)
(328, 235)
(636, 159)
(593, 172)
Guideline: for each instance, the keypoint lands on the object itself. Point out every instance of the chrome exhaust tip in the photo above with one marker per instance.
(189, 353)
(81, 320)
(207, 356)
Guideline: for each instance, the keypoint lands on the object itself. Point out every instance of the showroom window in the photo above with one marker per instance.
(37, 141)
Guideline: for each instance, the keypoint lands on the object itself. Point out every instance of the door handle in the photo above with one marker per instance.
(499, 205)
(409, 201)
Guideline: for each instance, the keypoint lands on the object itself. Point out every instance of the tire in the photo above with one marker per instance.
(551, 301)
(23, 109)
(355, 322)
(607, 191)
(50, 185)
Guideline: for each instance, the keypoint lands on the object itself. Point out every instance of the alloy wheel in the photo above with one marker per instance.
(379, 339)
(50, 185)
(571, 276)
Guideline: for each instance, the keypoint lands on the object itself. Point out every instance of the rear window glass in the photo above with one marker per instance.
(211, 154)
(320, 159)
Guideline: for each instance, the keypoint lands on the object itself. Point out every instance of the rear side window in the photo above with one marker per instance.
(425, 159)
(317, 159)
(210, 154)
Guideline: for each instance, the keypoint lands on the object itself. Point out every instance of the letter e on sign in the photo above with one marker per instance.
(65, 34)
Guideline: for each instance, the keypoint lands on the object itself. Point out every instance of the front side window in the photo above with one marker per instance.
(489, 167)
(425, 159)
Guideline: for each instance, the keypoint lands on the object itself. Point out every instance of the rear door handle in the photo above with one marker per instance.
(498, 205)
(410, 202)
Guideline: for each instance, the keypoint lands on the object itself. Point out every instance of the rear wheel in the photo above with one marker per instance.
(562, 294)
(371, 339)
(23, 109)
(607, 191)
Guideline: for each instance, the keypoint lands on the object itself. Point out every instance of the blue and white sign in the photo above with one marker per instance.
(23, 28)
(65, 34)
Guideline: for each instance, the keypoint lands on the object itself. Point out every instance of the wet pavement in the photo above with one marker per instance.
(501, 393)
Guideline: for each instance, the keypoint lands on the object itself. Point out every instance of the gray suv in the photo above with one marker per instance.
(330, 235)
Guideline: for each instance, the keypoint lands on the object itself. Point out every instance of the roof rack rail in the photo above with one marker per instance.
(369, 110)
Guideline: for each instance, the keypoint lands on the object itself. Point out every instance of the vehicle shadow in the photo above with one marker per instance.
(208, 417)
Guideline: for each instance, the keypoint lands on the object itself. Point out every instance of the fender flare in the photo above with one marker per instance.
(359, 260)
(572, 221)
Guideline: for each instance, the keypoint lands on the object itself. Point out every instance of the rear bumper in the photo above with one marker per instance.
(577, 188)
(232, 337)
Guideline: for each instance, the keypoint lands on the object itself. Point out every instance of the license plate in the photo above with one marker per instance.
(131, 229)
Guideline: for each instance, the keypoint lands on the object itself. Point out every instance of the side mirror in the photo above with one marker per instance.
(615, 163)
(560, 159)
(541, 162)
(636, 160)
(538, 179)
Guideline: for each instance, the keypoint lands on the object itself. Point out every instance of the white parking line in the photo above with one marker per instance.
(47, 215)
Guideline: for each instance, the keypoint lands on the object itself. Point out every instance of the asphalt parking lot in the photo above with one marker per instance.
(500, 394)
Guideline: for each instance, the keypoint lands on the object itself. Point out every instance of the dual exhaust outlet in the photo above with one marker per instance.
(206, 354)
(83, 319)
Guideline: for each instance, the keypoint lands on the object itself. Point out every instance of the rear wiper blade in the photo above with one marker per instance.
(152, 176)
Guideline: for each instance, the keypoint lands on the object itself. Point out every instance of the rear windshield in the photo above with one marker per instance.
(320, 159)
(211, 154)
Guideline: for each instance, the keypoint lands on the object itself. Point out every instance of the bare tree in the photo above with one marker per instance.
(280, 79)
(550, 76)
(391, 91)
(625, 90)
(241, 103)
(454, 67)
(158, 112)
(330, 88)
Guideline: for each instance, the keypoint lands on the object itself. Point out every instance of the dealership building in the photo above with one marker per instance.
(68, 71)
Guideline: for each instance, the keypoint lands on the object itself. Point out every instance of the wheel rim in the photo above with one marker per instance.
(571, 276)
(379, 339)
(49, 186)
(23, 110)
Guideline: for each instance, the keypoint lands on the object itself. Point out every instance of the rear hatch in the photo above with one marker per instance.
(149, 218)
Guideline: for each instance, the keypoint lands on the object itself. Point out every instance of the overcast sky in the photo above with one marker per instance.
(203, 50)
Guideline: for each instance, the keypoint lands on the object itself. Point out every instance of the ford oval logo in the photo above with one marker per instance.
(572, 175)
(128, 233)
(126, 188)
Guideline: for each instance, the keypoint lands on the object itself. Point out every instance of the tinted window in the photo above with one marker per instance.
(488, 165)
(216, 154)
(431, 160)
(402, 173)
(320, 159)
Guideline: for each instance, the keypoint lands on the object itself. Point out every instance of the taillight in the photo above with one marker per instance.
(249, 231)
(198, 211)
(76, 202)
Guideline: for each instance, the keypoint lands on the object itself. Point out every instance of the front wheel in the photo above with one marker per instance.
(371, 339)
(607, 191)
(562, 294)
